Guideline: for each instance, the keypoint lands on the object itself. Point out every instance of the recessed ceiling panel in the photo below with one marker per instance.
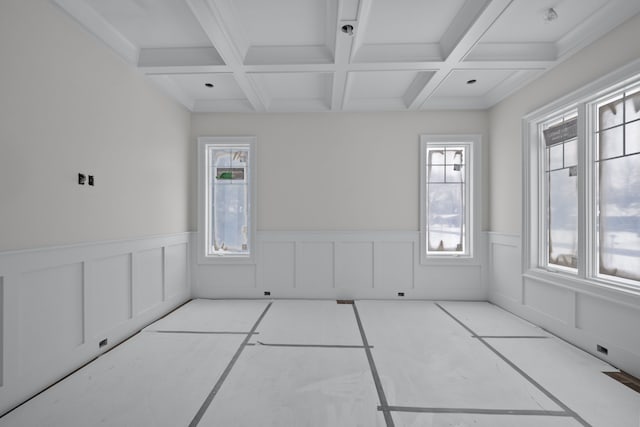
(282, 22)
(409, 21)
(208, 86)
(460, 82)
(524, 21)
(371, 90)
(284, 91)
(153, 23)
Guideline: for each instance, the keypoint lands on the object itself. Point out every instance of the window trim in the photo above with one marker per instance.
(473, 208)
(203, 143)
(533, 217)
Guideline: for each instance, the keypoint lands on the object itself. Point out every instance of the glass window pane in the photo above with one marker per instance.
(555, 157)
(571, 153)
(435, 157)
(455, 156)
(632, 107)
(455, 173)
(632, 138)
(435, 173)
(610, 114)
(563, 218)
(445, 218)
(619, 218)
(230, 219)
(609, 143)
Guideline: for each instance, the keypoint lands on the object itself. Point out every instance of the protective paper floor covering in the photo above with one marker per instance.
(204, 315)
(296, 387)
(153, 379)
(309, 322)
(425, 359)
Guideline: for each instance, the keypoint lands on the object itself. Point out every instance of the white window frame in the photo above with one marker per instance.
(534, 264)
(472, 200)
(203, 143)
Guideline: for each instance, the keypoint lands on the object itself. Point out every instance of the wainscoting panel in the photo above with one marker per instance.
(278, 265)
(108, 294)
(393, 262)
(314, 265)
(50, 307)
(60, 307)
(587, 316)
(148, 270)
(339, 264)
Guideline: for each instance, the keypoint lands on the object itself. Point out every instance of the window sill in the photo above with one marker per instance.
(618, 293)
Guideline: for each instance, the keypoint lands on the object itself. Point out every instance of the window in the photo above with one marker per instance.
(446, 215)
(582, 215)
(616, 168)
(226, 199)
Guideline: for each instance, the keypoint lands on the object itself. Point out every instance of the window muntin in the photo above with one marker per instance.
(228, 205)
(616, 168)
(226, 200)
(560, 142)
(608, 186)
(446, 201)
(448, 206)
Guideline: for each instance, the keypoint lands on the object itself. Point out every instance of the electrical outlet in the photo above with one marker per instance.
(400, 294)
(602, 349)
(267, 293)
(82, 178)
(91, 180)
(103, 343)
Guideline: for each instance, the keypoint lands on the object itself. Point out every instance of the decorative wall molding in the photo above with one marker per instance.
(585, 319)
(58, 303)
(339, 264)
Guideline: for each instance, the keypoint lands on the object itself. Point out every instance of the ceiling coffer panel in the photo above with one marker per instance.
(345, 55)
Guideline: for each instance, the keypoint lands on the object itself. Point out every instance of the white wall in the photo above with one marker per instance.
(586, 316)
(346, 171)
(505, 175)
(68, 104)
(338, 207)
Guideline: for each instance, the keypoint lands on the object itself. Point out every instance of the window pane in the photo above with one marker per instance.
(555, 157)
(435, 157)
(455, 156)
(455, 173)
(610, 114)
(619, 219)
(229, 201)
(632, 138)
(445, 218)
(610, 143)
(632, 107)
(563, 218)
(571, 153)
(435, 173)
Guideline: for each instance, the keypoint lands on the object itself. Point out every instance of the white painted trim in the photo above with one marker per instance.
(203, 143)
(533, 222)
(41, 267)
(473, 208)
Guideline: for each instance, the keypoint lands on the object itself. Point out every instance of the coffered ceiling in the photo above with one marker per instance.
(301, 55)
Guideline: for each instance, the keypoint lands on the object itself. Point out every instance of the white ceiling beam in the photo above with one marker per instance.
(213, 25)
(182, 69)
(364, 13)
(341, 54)
(466, 30)
(95, 23)
(183, 56)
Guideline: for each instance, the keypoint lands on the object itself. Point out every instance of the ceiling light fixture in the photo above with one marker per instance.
(347, 29)
(209, 85)
(550, 15)
(472, 81)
